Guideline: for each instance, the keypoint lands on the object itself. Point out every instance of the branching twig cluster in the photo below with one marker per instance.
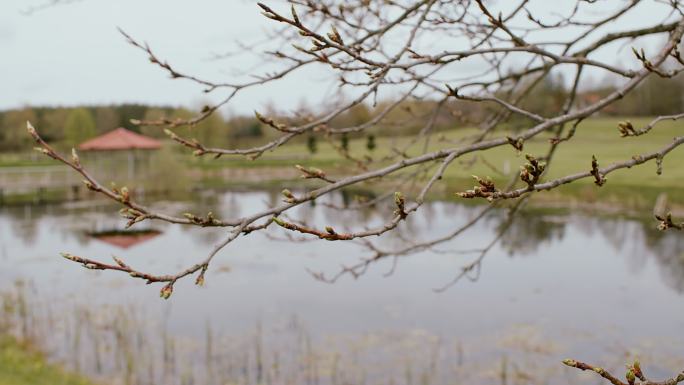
(634, 374)
(386, 50)
(667, 223)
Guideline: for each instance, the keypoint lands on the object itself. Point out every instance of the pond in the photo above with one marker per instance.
(558, 285)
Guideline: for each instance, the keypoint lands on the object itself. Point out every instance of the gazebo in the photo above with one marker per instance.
(123, 141)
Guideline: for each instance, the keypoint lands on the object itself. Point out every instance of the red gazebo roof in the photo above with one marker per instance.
(120, 139)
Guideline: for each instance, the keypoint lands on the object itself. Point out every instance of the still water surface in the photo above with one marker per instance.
(557, 286)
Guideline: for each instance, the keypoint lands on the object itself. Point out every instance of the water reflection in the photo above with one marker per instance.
(532, 232)
(587, 287)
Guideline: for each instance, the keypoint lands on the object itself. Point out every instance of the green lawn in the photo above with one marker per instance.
(20, 365)
(597, 136)
(600, 137)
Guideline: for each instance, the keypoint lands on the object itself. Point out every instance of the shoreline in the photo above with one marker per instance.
(602, 202)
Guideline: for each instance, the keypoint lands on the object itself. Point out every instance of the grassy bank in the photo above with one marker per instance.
(21, 365)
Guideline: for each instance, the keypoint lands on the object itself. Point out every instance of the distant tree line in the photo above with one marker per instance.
(655, 96)
(69, 126)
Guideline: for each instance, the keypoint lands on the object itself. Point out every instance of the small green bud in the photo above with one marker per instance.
(88, 185)
(630, 376)
(166, 291)
(399, 198)
(118, 261)
(30, 128)
(125, 195)
(74, 157)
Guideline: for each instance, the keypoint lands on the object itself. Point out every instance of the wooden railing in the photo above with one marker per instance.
(19, 180)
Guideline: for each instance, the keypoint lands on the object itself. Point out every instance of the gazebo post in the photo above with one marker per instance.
(131, 165)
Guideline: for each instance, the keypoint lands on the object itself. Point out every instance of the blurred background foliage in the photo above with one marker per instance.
(68, 126)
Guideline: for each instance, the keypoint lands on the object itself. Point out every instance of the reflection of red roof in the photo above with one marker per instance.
(126, 241)
(120, 139)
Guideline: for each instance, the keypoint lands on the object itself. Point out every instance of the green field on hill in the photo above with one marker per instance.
(597, 136)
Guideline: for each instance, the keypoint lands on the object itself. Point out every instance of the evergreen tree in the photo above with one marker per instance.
(311, 144)
(370, 142)
(344, 142)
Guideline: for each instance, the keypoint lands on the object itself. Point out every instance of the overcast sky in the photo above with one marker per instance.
(73, 54)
